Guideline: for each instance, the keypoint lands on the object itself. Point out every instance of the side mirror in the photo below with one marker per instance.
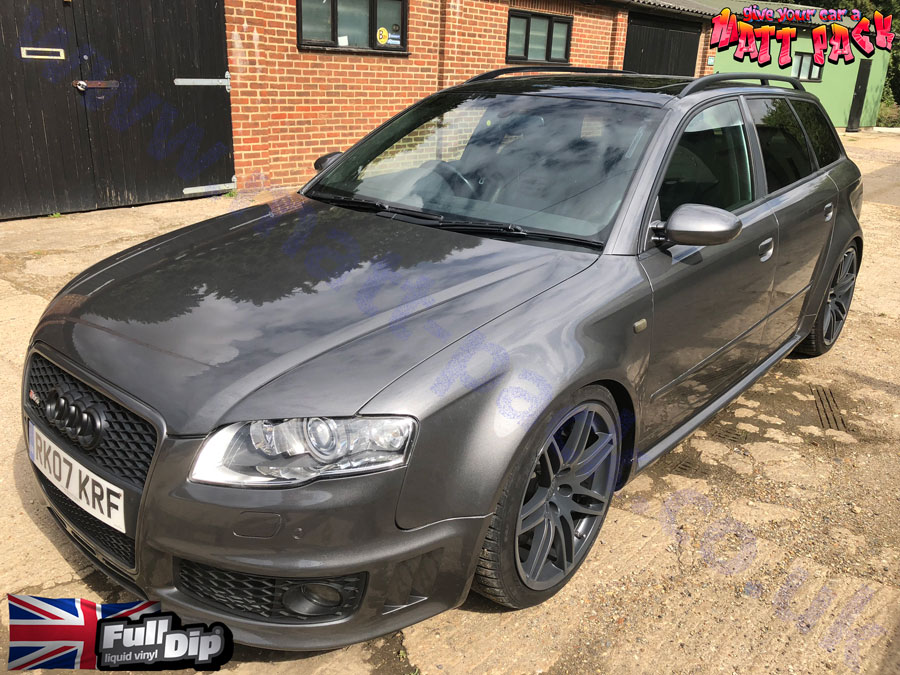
(326, 160)
(699, 225)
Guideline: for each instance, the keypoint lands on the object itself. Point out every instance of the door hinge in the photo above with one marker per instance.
(205, 81)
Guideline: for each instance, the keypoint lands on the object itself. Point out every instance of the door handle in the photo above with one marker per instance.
(829, 211)
(766, 249)
(84, 85)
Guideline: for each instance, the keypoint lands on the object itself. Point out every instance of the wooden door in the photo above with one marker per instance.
(47, 164)
(149, 119)
(661, 46)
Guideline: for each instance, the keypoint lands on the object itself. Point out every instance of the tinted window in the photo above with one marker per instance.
(784, 149)
(818, 128)
(710, 164)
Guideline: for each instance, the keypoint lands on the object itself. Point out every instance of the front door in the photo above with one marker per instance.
(709, 303)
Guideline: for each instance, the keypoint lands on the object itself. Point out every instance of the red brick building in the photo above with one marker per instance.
(312, 76)
(157, 100)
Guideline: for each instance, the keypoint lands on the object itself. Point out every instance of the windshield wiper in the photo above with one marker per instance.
(485, 227)
(373, 205)
(516, 231)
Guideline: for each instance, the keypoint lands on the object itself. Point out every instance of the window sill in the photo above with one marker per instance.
(357, 51)
(520, 62)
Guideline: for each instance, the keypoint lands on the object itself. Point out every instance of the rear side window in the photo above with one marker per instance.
(710, 164)
(818, 128)
(784, 149)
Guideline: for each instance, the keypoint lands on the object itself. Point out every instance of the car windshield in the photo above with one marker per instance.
(544, 164)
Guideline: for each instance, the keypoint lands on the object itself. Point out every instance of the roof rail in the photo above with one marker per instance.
(707, 80)
(493, 74)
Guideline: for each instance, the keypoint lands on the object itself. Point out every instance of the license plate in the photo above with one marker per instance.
(99, 497)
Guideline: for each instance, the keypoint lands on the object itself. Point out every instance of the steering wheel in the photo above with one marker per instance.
(453, 177)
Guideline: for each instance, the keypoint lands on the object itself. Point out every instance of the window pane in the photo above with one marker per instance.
(818, 128)
(316, 19)
(537, 39)
(560, 38)
(797, 66)
(517, 26)
(353, 23)
(815, 72)
(711, 164)
(389, 15)
(784, 149)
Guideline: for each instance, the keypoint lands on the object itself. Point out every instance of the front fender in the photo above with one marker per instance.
(479, 399)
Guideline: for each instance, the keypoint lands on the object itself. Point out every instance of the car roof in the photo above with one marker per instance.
(652, 90)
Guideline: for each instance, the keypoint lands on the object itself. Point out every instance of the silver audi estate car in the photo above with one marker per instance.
(325, 418)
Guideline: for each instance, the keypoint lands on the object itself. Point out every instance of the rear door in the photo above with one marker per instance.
(709, 303)
(804, 199)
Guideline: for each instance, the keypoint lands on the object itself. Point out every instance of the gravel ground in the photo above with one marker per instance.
(767, 542)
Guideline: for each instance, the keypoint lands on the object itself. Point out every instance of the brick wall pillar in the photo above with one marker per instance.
(704, 51)
(617, 41)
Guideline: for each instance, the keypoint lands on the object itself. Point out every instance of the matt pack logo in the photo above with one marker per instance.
(79, 634)
(830, 38)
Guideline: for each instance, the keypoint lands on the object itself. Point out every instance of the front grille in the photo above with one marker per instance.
(263, 597)
(93, 531)
(128, 442)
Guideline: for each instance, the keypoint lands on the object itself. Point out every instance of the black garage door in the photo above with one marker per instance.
(661, 46)
(110, 103)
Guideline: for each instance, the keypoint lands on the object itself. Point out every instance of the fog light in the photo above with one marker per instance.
(322, 594)
(313, 599)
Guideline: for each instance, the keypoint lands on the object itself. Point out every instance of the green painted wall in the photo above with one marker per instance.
(838, 80)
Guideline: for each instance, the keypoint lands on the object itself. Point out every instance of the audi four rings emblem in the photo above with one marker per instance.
(80, 421)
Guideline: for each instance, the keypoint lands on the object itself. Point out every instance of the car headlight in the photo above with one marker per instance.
(296, 451)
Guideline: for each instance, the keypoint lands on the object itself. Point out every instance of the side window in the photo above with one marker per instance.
(710, 164)
(784, 149)
(819, 130)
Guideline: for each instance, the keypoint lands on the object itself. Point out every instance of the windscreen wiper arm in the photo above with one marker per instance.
(516, 231)
(375, 206)
(488, 227)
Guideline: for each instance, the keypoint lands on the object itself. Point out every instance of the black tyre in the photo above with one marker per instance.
(554, 501)
(833, 313)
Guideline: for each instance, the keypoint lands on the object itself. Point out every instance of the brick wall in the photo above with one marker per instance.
(290, 106)
(704, 52)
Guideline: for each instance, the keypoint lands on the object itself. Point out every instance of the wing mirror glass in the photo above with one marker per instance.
(326, 160)
(700, 225)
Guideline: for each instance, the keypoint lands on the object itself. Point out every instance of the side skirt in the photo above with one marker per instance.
(668, 442)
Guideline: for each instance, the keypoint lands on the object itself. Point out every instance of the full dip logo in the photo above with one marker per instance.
(80, 634)
(158, 641)
(834, 40)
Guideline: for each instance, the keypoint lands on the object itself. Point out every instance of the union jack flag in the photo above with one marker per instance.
(60, 633)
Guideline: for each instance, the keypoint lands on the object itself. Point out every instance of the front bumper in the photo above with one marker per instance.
(329, 529)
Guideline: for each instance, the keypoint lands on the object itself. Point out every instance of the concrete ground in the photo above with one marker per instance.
(766, 543)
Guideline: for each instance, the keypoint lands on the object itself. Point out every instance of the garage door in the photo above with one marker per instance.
(661, 46)
(111, 103)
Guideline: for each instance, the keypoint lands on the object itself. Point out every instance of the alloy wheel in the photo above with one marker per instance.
(567, 496)
(837, 304)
